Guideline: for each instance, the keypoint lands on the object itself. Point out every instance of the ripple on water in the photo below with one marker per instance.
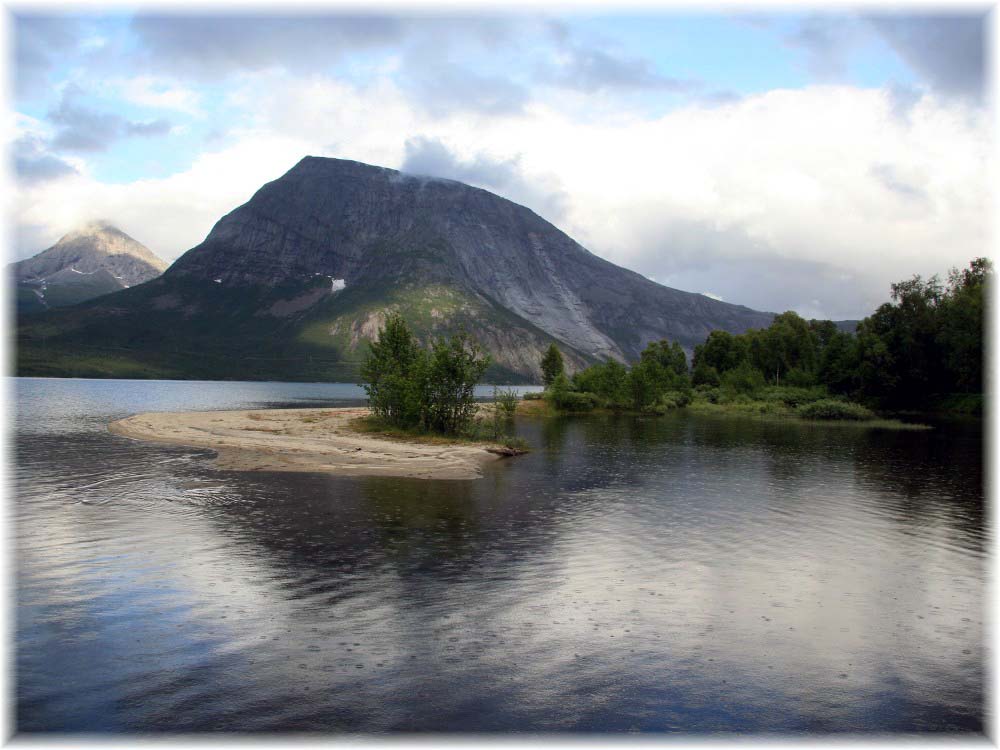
(628, 575)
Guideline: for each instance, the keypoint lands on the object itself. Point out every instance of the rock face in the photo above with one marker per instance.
(291, 284)
(371, 226)
(94, 260)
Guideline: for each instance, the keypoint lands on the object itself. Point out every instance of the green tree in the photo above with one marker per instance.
(824, 330)
(721, 350)
(789, 343)
(705, 374)
(960, 332)
(838, 366)
(608, 381)
(670, 357)
(454, 368)
(744, 380)
(644, 384)
(552, 365)
(662, 368)
(394, 375)
(926, 342)
(410, 387)
(901, 360)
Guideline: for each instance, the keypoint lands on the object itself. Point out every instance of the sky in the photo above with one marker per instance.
(793, 159)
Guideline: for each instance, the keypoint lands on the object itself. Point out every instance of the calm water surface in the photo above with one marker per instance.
(674, 574)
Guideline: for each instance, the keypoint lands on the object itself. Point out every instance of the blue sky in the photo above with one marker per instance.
(706, 150)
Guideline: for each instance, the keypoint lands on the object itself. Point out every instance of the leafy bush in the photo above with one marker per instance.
(832, 409)
(705, 375)
(744, 379)
(961, 403)
(504, 407)
(707, 393)
(674, 399)
(793, 396)
(608, 381)
(798, 377)
(574, 401)
(517, 444)
(534, 396)
(505, 402)
(409, 387)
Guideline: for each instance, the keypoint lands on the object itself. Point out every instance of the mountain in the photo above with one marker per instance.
(290, 284)
(95, 260)
(847, 326)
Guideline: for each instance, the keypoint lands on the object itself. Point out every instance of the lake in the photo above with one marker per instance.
(677, 574)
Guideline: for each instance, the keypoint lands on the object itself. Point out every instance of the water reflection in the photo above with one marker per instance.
(662, 575)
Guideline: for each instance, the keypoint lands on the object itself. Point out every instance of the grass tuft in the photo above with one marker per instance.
(477, 436)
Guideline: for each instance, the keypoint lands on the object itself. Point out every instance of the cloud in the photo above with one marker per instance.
(718, 98)
(903, 99)
(465, 66)
(828, 42)
(159, 93)
(170, 214)
(30, 239)
(792, 199)
(946, 50)
(773, 201)
(32, 163)
(744, 269)
(146, 129)
(431, 157)
(426, 50)
(82, 129)
(888, 176)
(592, 69)
(448, 89)
(38, 42)
(206, 46)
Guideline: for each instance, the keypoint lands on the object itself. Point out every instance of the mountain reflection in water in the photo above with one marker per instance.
(675, 574)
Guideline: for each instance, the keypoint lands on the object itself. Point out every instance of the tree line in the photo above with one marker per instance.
(924, 344)
(658, 381)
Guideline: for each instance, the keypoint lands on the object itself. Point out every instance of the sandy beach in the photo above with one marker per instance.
(310, 440)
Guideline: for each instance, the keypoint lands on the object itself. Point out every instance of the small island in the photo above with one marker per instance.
(309, 440)
(422, 421)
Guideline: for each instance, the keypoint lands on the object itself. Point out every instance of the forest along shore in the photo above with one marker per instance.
(308, 440)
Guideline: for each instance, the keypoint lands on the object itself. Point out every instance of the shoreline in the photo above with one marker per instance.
(304, 440)
(542, 409)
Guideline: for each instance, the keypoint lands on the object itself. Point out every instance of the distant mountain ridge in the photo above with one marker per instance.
(96, 259)
(293, 282)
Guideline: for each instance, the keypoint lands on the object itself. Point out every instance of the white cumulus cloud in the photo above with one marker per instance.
(812, 199)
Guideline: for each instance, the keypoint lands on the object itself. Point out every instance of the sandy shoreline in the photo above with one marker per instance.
(310, 440)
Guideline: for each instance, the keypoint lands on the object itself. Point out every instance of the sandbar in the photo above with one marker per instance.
(304, 440)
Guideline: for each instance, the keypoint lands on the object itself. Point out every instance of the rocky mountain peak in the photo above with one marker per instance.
(94, 259)
(101, 237)
(309, 267)
(379, 228)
